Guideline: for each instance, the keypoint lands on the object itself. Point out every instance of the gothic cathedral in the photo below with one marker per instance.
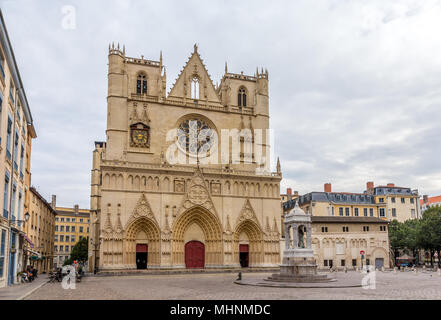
(167, 189)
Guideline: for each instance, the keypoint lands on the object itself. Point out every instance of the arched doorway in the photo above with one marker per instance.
(194, 254)
(142, 242)
(248, 243)
(212, 236)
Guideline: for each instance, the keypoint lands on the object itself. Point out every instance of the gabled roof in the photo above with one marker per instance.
(195, 67)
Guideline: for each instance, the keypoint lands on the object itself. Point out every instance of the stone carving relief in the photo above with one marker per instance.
(247, 213)
(179, 186)
(197, 194)
(215, 188)
(142, 209)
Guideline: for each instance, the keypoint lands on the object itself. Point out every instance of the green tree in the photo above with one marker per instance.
(80, 252)
(397, 237)
(411, 228)
(429, 233)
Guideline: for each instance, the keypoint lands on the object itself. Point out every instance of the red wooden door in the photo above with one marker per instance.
(244, 250)
(141, 247)
(194, 254)
(141, 256)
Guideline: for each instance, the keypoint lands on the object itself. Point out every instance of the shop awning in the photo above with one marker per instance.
(28, 240)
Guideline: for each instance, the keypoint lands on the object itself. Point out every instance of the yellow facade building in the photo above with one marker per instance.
(72, 224)
(40, 230)
(401, 203)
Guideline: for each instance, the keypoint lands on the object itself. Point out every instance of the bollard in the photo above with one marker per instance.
(402, 269)
(395, 270)
(439, 272)
(382, 269)
(415, 271)
(346, 269)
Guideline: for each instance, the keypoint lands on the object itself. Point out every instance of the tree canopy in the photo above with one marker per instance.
(415, 234)
(80, 252)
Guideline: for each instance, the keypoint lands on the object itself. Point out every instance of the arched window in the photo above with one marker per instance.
(242, 98)
(141, 84)
(195, 88)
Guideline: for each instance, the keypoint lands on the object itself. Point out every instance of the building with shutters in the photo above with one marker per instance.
(16, 134)
(40, 231)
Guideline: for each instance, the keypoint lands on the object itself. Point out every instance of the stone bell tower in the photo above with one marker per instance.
(298, 263)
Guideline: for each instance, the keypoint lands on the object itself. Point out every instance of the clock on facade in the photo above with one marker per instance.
(140, 135)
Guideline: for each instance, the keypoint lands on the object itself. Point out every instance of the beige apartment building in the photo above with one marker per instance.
(338, 241)
(72, 224)
(40, 231)
(345, 224)
(156, 202)
(16, 133)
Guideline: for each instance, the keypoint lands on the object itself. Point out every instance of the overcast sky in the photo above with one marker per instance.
(355, 86)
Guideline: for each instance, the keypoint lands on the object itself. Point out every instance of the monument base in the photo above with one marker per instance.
(299, 269)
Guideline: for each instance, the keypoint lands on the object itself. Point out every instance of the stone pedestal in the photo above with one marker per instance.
(298, 263)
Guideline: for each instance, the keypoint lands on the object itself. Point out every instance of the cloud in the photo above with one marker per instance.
(359, 81)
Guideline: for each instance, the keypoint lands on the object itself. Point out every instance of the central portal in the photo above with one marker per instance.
(141, 256)
(194, 254)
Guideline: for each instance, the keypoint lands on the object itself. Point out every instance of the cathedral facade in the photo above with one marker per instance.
(183, 179)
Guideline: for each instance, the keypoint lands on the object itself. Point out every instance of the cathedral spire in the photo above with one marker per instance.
(279, 170)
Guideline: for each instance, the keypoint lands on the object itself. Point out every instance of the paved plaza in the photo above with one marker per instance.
(403, 285)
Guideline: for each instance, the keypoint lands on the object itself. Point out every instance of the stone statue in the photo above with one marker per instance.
(301, 238)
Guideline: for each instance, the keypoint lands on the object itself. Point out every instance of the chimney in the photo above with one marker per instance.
(328, 187)
(296, 193)
(76, 209)
(289, 193)
(391, 185)
(425, 198)
(54, 201)
(369, 185)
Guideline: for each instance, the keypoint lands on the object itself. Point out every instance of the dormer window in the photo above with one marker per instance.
(141, 84)
(242, 98)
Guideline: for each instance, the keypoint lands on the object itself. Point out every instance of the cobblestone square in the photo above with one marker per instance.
(403, 285)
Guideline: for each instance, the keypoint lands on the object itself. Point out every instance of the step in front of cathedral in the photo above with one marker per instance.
(184, 271)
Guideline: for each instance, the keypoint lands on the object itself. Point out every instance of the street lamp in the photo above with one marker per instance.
(26, 218)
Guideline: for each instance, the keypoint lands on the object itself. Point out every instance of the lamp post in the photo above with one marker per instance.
(26, 219)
